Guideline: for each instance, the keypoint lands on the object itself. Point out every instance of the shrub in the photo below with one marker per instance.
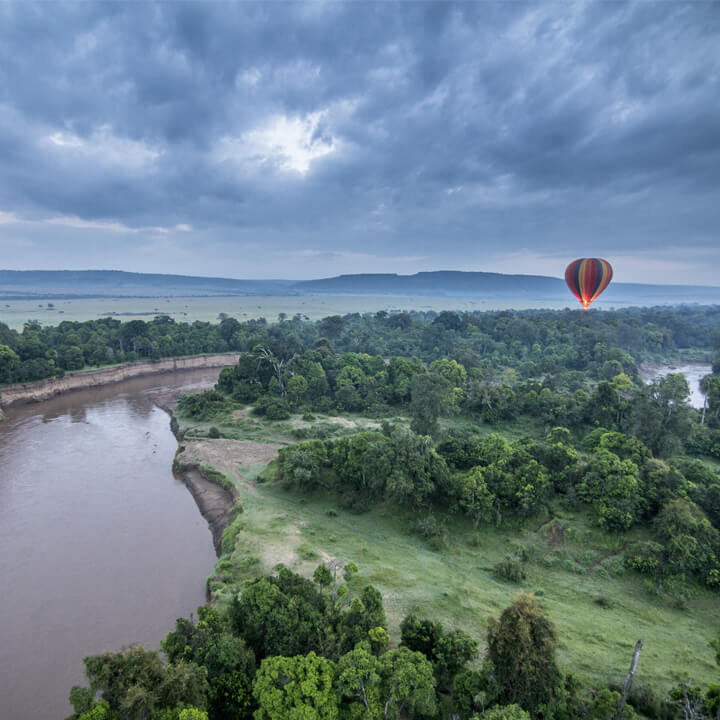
(427, 526)
(230, 534)
(277, 409)
(645, 557)
(510, 569)
(214, 433)
(504, 712)
(202, 406)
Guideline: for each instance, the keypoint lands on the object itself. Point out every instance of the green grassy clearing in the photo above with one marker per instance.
(242, 424)
(599, 609)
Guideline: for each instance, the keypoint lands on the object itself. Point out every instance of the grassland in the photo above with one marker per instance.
(599, 609)
(15, 313)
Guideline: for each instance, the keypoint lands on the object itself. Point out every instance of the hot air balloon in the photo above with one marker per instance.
(587, 278)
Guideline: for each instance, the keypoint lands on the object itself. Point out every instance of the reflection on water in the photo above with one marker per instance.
(100, 546)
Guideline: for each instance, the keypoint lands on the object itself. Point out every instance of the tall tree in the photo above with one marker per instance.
(521, 645)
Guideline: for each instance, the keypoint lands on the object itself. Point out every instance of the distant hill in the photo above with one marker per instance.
(441, 282)
(489, 285)
(37, 284)
(52, 284)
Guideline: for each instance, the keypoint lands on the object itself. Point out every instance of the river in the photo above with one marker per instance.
(100, 546)
(693, 372)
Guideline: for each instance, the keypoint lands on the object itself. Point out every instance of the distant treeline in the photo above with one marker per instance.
(533, 342)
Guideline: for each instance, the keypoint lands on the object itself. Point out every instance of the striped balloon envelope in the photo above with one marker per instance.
(587, 278)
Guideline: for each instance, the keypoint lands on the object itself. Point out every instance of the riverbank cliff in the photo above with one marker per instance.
(87, 379)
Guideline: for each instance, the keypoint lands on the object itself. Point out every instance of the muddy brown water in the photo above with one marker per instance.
(100, 546)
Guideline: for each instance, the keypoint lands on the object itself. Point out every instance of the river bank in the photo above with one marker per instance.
(88, 379)
(215, 502)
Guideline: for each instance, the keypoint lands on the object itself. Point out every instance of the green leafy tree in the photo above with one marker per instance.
(430, 395)
(407, 685)
(690, 543)
(9, 362)
(453, 371)
(135, 683)
(229, 663)
(521, 646)
(613, 488)
(710, 385)
(448, 652)
(475, 496)
(358, 684)
(296, 688)
(297, 386)
(285, 615)
(661, 415)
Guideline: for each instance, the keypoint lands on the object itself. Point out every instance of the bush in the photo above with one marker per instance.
(230, 534)
(504, 712)
(648, 703)
(427, 526)
(510, 569)
(277, 409)
(214, 433)
(202, 406)
(645, 557)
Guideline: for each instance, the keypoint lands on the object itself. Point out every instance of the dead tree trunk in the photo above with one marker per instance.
(628, 681)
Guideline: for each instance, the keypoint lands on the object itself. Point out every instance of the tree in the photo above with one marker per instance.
(297, 386)
(451, 370)
(475, 498)
(691, 543)
(136, 683)
(521, 646)
(358, 684)
(296, 688)
(228, 327)
(661, 415)
(407, 684)
(710, 385)
(230, 664)
(284, 615)
(612, 486)
(9, 361)
(448, 652)
(331, 326)
(430, 395)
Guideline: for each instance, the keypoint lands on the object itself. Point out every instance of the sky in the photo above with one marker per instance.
(310, 139)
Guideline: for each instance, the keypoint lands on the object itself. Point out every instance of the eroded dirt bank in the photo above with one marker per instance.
(86, 379)
(214, 502)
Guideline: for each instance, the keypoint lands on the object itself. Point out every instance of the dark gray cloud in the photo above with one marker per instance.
(301, 139)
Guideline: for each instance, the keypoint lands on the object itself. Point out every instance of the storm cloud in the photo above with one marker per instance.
(307, 139)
